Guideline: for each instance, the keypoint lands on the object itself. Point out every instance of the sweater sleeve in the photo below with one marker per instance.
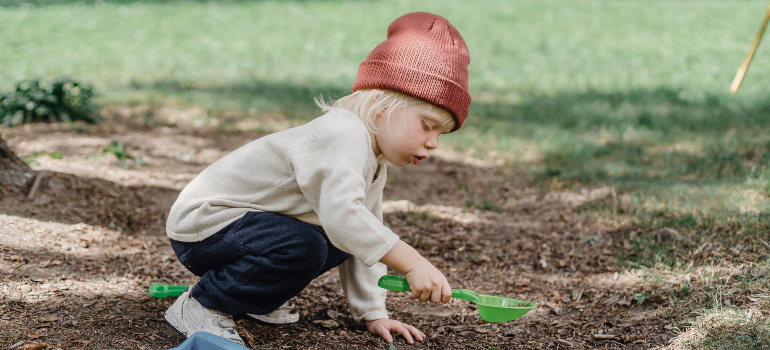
(329, 168)
(359, 282)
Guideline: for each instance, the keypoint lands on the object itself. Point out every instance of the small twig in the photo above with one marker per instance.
(604, 336)
(765, 243)
(35, 185)
(564, 342)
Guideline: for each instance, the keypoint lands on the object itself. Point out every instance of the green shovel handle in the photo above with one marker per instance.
(399, 284)
(162, 290)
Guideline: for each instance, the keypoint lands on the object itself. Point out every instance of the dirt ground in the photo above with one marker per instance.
(77, 258)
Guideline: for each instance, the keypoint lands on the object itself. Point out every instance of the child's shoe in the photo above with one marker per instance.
(188, 316)
(284, 314)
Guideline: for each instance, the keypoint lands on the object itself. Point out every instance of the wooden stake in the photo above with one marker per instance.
(742, 70)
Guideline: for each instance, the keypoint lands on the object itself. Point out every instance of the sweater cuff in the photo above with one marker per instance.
(374, 315)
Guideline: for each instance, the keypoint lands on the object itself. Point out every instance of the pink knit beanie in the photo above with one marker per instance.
(424, 57)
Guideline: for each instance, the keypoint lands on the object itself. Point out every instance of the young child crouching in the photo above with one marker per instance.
(259, 224)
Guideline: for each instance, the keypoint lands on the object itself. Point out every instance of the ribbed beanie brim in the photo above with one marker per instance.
(425, 57)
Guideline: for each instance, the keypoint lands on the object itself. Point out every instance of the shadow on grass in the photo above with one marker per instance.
(635, 136)
(663, 110)
(297, 101)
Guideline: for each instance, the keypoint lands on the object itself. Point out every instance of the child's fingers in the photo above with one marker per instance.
(436, 296)
(419, 336)
(384, 332)
(446, 293)
(425, 296)
(405, 332)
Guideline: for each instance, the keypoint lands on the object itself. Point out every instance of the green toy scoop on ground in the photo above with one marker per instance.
(162, 290)
(491, 308)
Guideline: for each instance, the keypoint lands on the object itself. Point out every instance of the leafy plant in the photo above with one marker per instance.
(30, 159)
(63, 100)
(118, 149)
(639, 298)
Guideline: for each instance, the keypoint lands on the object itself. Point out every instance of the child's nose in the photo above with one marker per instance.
(431, 143)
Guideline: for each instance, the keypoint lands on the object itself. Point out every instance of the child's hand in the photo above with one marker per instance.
(428, 283)
(383, 327)
(425, 280)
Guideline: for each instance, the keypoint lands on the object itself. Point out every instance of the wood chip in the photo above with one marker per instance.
(612, 300)
(327, 323)
(564, 342)
(47, 319)
(557, 310)
(604, 336)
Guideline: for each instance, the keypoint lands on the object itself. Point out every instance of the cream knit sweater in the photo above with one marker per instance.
(324, 173)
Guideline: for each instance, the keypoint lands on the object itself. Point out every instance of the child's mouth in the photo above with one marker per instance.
(415, 160)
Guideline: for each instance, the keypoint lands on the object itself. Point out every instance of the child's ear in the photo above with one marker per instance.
(381, 113)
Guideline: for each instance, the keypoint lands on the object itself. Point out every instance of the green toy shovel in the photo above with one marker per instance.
(162, 290)
(491, 308)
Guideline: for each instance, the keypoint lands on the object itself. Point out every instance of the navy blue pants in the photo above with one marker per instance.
(257, 263)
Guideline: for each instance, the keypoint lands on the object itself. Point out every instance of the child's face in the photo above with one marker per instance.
(409, 134)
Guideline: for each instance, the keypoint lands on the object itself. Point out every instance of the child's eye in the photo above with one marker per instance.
(426, 126)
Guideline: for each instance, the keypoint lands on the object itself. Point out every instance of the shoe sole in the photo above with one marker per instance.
(184, 334)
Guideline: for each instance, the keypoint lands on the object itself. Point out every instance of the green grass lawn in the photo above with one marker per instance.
(632, 95)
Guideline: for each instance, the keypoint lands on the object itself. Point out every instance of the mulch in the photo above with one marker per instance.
(77, 260)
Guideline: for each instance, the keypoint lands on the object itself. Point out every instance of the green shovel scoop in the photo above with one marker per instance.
(491, 308)
(162, 290)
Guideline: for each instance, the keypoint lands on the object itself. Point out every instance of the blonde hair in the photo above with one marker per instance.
(368, 103)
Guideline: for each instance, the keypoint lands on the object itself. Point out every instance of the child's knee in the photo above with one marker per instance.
(311, 251)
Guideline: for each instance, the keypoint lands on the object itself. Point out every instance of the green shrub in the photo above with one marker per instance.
(118, 148)
(63, 100)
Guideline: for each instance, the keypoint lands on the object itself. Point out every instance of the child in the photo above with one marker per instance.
(261, 223)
